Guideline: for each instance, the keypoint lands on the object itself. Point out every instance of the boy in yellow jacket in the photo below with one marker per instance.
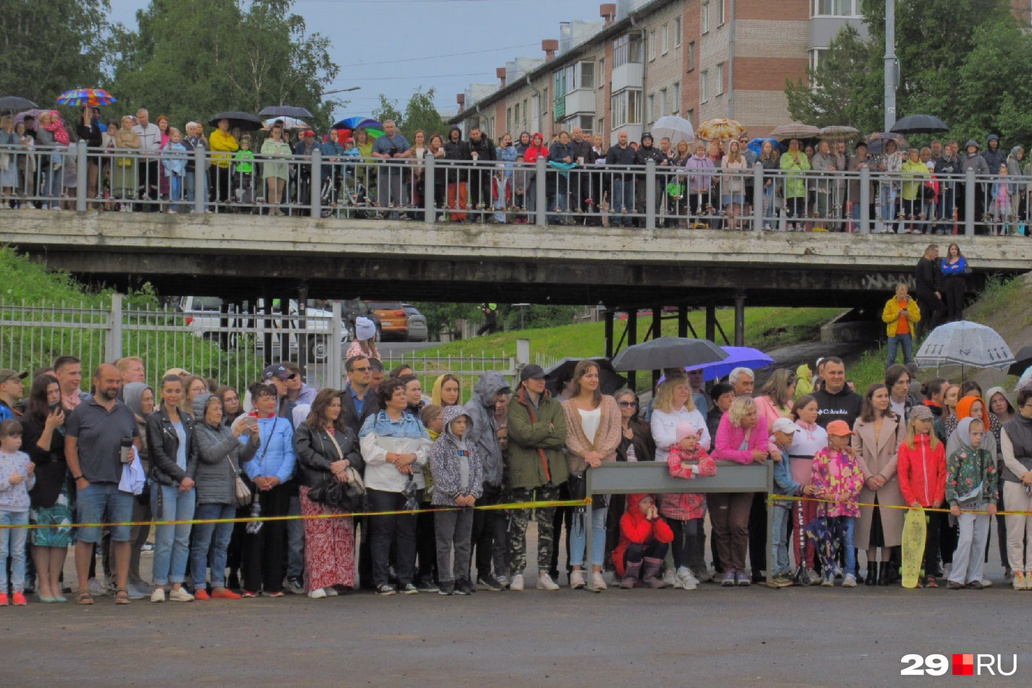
(900, 314)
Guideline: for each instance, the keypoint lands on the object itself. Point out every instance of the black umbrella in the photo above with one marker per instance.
(668, 352)
(1022, 360)
(608, 379)
(285, 111)
(919, 124)
(16, 103)
(241, 120)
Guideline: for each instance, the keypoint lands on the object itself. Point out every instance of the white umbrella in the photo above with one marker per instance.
(674, 128)
(966, 344)
(288, 123)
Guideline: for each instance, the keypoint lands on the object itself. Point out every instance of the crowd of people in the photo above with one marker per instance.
(135, 164)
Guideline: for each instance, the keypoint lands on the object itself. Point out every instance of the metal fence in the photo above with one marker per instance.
(433, 189)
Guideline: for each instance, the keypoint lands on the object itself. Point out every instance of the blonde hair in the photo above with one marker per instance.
(912, 434)
(739, 409)
(665, 394)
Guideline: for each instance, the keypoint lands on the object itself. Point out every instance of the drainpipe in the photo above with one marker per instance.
(538, 94)
(731, 65)
(644, 67)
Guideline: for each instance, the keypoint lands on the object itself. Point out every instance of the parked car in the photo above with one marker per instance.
(417, 329)
(393, 318)
(352, 309)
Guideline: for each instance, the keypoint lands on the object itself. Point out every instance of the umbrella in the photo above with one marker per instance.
(795, 131)
(285, 111)
(34, 114)
(287, 122)
(557, 374)
(756, 145)
(668, 352)
(834, 134)
(93, 97)
(676, 129)
(1022, 361)
(1024, 381)
(720, 129)
(876, 141)
(964, 343)
(353, 123)
(240, 120)
(737, 357)
(14, 103)
(919, 124)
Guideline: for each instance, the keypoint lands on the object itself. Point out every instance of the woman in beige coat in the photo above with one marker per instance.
(877, 435)
(593, 433)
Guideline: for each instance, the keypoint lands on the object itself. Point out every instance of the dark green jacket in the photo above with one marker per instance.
(535, 448)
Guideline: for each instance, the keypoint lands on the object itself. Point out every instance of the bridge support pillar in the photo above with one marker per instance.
(682, 320)
(632, 339)
(711, 323)
(609, 332)
(302, 326)
(657, 331)
(740, 319)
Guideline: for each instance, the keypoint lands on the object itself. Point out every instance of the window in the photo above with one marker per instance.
(508, 119)
(526, 111)
(816, 57)
(677, 32)
(720, 79)
(602, 73)
(662, 102)
(516, 115)
(599, 125)
(666, 39)
(703, 86)
(652, 45)
(626, 49)
(626, 107)
(721, 13)
(691, 56)
(834, 8)
(675, 99)
(704, 17)
(587, 75)
(650, 110)
(690, 116)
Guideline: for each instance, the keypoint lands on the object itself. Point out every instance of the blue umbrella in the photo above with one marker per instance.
(737, 357)
(756, 145)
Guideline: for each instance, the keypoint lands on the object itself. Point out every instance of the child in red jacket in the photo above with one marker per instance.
(922, 479)
(644, 538)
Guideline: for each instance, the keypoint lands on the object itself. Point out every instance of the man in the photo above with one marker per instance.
(928, 291)
(223, 145)
(537, 467)
(855, 163)
(490, 326)
(936, 150)
(298, 391)
(900, 315)
(835, 401)
(12, 389)
(96, 434)
(68, 371)
(490, 437)
(388, 147)
(358, 399)
(743, 381)
(722, 395)
(994, 156)
(647, 151)
(580, 183)
(377, 372)
(622, 201)
(90, 129)
(974, 160)
(132, 370)
(696, 382)
(149, 167)
(192, 142)
(948, 164)
(481, 150)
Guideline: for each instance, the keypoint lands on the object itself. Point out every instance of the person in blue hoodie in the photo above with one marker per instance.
(174, 159)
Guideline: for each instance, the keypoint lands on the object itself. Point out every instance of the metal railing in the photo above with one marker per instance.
(433, 190)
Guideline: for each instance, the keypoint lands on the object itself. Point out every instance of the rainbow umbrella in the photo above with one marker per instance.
(720, 129)
(372, 127)
(93, 97)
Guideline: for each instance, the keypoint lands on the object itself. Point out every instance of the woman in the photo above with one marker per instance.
(416, 154)
(742, 438)
(775, 399)
(364, 341)
(636, 444)
(700, 179)
(51, 497)
(91, 130)
(123, 175)
(9, 145)
(48, 159)
(892, 165)
(824, 162)
(673, 405)
(1017, 481)
(166, 138)
(809, 439)
(732, 194)
(877, 435)
(436, 150)
(947, 421)
(263, 551)
(222, 144)
(769, 160)
(1000, 405)
(897, 379)
(676, 189)
(413, 393)
(230, 404)
(537, 149)
(914, 173)
(139, 397)
(593, 434)
(446, 391)
(394, 446)
(193, 386)
(220, 452)
(326, 448)
(794, 162)
(170, 440)
(954, 268)
(275, 172)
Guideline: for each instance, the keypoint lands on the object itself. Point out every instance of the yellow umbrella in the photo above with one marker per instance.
(720, 129)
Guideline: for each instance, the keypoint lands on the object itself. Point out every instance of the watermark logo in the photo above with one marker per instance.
(960, 664)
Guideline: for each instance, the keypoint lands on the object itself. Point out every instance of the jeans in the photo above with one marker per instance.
(578, 539)
(103, 503)
(388, 530)
(973, 532)
(12, 543)
(453, 530)
(175, 191)
(191, 194)
(907, 340)
(623, 199)
(779, 547)
(202, 540)
(685, 545)
(888, 199)
(171, 543)
(295, 540)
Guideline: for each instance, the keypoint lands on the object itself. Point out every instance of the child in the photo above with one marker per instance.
(1000, 208)
(243, 170)
(972, 485)
(837, 477)
(433, 421)
(685, 512)
(173, 159)
(501, 193)
(16, 479)
(519, 190)
(922, 479)
(783, 432)
(644, 538)
(458, 481)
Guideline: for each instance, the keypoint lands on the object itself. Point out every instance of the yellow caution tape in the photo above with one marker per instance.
(785, 498)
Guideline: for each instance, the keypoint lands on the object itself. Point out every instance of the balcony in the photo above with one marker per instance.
(629, 75)
(581, 101)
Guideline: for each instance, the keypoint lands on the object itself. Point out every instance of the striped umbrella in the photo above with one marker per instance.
(93, 97)
(720, 129)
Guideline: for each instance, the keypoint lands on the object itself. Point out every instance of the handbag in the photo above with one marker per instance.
(577, 484)
(241, 490)
(346, 496)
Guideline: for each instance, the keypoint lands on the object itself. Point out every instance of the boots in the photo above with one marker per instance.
(871, 578)
(651, 576)
(631, 571)
(883, 573)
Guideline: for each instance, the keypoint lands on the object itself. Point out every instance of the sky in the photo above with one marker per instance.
(403, 46)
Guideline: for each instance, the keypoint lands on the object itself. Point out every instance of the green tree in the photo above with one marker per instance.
(836, 84)
(388, 110)
(421, 114)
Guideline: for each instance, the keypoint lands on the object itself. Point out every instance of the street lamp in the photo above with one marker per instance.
(341, 90)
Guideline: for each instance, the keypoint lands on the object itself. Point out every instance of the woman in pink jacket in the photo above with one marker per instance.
(742, 438)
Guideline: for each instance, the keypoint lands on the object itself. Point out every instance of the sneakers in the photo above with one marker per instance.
(954, 585)
(671, 579)
(275, 595)
(3, 597)
(598, 581)
(815, 578)
(463, 587)
(849, 581)
(576, 580)
(517, 583)
(158, 595)
(930, 582)
(201, 595)
(317, 594)
(503, 581)
(446, 588)
(975, 585)
(742, 579)
(18, 599)
(729, 579)
(829, 581)
(1018, 582)
(248, 594)
(685, 580)
(488, 582)
(385, 589)
(409, 589)
(986, 583)
(180, 595)
(1028, 580)
(224, 594)
(545, 582)
(426, 584)
(293, 586)
(138, 591)
(781, 580)
(97, 589)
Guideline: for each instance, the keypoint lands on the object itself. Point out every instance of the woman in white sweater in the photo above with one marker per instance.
(674, 405)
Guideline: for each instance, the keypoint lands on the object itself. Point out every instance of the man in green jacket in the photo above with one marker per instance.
(537, 467)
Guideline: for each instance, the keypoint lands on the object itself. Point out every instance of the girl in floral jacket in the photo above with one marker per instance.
(838, 479)
(972, 485)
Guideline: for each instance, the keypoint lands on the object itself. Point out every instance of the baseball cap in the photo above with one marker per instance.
(532, 371)
(8, 374)
(784, 425)
(277, 371)
(839, 427)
